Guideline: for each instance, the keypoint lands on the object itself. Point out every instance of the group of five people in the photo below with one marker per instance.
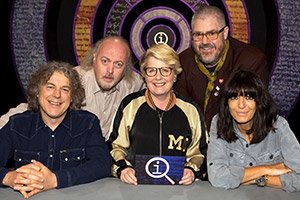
(57, 143)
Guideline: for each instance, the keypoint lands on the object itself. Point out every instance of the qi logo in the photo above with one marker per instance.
(161, 38)
(158, 167)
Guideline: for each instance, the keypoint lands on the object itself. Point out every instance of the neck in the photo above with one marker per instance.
(161, 101)
(245, 128)
(52, 123)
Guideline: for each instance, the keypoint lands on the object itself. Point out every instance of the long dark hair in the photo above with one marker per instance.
(246, 83)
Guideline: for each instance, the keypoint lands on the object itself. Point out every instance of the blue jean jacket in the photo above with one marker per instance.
(75, 151)
(226, 162)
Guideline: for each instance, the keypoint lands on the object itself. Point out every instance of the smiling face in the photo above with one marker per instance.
(158, 85)
(55, 98)
(110, 62)
(242, 109)
(209, 51)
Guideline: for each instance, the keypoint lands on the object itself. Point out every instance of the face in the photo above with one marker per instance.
(158, 85)
(209, 51)
(242, 109)
(55, 97)
(110, 62)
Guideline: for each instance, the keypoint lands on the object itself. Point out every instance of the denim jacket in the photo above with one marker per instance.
(75, 151)
(226, 162)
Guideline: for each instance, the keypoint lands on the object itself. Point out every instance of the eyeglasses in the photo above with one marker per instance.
(212, 35)
(152, 71)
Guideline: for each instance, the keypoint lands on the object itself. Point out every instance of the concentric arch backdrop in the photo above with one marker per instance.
(44, 30)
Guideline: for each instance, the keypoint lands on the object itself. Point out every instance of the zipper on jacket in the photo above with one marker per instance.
(160, 132)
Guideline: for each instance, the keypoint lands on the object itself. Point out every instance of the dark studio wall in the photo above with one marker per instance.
(59, 39)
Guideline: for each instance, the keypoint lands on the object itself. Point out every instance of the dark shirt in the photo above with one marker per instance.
(75, 151)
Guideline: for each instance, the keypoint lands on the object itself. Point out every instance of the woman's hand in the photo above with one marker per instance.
(128, 176)
(188, 177)
(277, 169)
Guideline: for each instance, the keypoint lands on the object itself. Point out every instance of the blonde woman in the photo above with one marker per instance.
(148, 122)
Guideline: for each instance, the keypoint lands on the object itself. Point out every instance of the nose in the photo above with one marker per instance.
(205, 40)
(241, 102)
(57, 93)
(110, 68)
(158, 75)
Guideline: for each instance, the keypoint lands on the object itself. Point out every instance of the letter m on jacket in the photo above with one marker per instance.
(179, 143)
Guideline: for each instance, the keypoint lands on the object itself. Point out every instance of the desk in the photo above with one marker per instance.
(113, 188)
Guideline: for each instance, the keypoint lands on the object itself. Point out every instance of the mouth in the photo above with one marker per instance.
(241, 113)
(206, 48)
(108, 78)
(159, 84)
(55, 103)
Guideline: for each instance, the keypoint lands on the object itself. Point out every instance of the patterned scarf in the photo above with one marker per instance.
(211, 77)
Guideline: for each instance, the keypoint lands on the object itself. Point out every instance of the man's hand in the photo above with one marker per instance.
(24, 181)
(34, 178)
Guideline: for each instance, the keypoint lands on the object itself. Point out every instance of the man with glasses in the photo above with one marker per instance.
(214, 55)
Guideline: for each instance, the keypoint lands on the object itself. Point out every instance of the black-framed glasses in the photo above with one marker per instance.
(211, 35)
(152, 71)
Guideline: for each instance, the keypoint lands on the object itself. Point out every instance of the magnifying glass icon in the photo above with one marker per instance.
(157, 174)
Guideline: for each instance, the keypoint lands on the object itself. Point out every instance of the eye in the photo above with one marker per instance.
(165, 69)
(211, 34)
(104, 61)
(66, 90)
(234, 98)
(151, 70)
(197, 34)
(119, 64)
(249, 97)
(49, 86)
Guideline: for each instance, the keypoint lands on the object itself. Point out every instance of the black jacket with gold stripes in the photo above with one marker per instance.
(139, 128)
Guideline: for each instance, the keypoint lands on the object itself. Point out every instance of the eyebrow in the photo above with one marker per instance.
(64, 86)
(113, 61)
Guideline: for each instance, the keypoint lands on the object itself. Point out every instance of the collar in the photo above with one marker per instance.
(67, 121)
(204, 70)
(152, 105)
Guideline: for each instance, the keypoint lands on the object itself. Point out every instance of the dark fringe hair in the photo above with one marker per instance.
(247, 83)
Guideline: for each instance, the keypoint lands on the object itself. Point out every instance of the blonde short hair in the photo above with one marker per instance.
(164, 53)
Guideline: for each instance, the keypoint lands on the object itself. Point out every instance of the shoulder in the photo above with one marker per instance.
(20, 117)
(187, 104)
(83, 119)
(133, 96)
(80, 70)
(215, 119)
(186, 55)
(185, 100)
(82, 116)
(133, 82)
(281, 123)
(238, 46)
(23, 122)
(187, 52)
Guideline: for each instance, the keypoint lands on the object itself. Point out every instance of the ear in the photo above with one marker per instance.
(226, 31)
(174, 78)
(94, 57)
